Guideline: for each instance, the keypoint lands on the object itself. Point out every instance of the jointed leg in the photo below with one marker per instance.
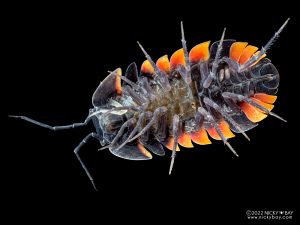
(175, 136)
(251, 102)
(263, 50)
(137, 127)
(225, 114)
(151, 122)
(213, 72)
(128, 123)
(162, 78)
(188, 77)
(76, 150)
(210, 119)
(240, 98)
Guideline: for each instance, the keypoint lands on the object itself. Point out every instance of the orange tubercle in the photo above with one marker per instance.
(200, 137)
(236, 50)
(147, 67)
(265, 97)
(263, 56)
(118, 82)
(252, 113)
(170, 144)
(185, 141)
(163, 63)
(199, 52)
(213, 133)
(225, 129)
(177, 58)
(263, 104)
(144, 151)
(247, 53)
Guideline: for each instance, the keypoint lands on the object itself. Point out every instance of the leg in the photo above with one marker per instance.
(188, 78)
(54, 128)
(128, 123)
(156, 113)
(266, 111)
(212, 121)
(263, 50)
(137, 127)
(213, 73)
(240, 98)
(160, 76)
(76, 150)
(214, 105)
(175, 135)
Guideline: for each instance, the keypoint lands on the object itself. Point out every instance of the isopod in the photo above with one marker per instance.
(212, 90)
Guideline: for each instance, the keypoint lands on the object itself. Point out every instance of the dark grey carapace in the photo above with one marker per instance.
(229, 86)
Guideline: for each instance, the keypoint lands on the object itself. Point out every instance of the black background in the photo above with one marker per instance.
(58, 54)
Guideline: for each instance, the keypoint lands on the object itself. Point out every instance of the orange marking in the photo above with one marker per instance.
(225, 129)
(213, 133)
(200, 137)
(236, 50)
(177, 58)
(118, 82)
(147, 68)
(143, 150)
(163, 63)
(170, 144)
(247, 53)
(263, 56)
(200, 52)
(252, 113)
(263, 104)
(185, 141)
(265, 97)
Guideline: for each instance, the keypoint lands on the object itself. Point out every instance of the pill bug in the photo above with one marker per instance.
(211, 90)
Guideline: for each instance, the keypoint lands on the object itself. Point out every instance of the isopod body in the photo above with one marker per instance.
(211, 91)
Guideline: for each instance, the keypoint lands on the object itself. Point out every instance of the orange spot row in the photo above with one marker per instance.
(200, 137)
(241, 53)
(197, 53)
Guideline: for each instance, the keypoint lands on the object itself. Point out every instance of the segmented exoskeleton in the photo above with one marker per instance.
(227, 87)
